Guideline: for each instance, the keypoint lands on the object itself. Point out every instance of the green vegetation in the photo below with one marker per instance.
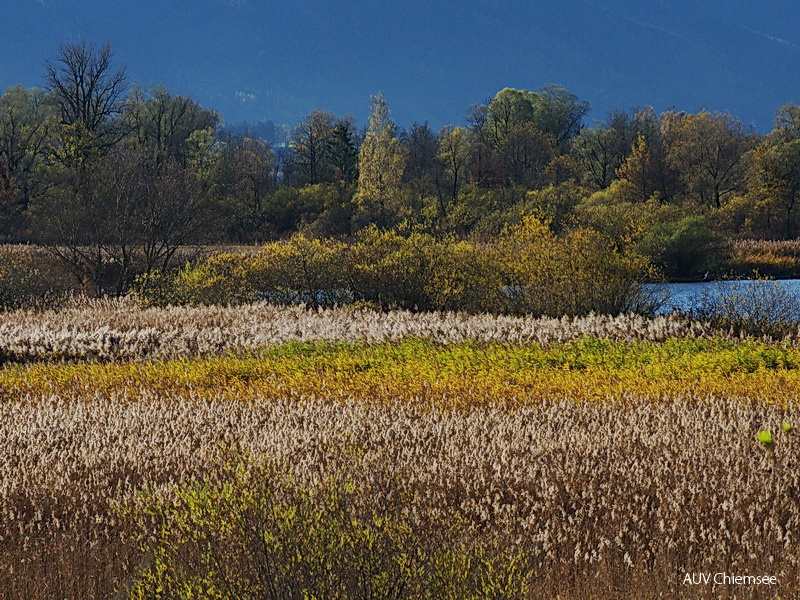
(422, 372)
(249, 530)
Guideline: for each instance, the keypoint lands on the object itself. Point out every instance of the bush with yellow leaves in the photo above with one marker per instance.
(526, 270)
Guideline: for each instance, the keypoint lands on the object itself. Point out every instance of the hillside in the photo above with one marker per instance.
(276, 60)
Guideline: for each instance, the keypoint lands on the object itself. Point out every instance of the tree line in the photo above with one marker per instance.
(114, 179)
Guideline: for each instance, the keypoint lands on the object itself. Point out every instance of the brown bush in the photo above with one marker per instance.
(31, 277)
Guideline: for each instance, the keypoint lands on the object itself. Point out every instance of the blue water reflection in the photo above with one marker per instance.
(683, 296)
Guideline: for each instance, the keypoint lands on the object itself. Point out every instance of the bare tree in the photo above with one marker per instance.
(131, 217)
(310, 142)
(88, 92)
(163, 122)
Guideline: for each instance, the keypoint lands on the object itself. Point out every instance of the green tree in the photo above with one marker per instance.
(243, 179)
(787, 121)
(775, 169)
(559, 113)
(646, 171)
(423, 171)
(454, 154)
(709, 151)
(640, 170)
(27, 120)
(599, 153)
(163, 123)
(342, 153)
(509, 109)
(512, 128)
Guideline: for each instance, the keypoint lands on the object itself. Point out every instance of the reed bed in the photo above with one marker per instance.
(602, 501)
(780, 258)
(119, 330)
(563, 458)
(784, 248)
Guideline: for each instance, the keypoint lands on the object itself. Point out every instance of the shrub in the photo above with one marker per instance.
(155, 289)
(29, 278)
(392, 270)
(578, 274)
(466, 279)
(554, 204)
(762, 308)
(684, 247)
(528, 270)
(416, 271)
(220, 279)
(622, 221)
(253, 532)
(304, 270)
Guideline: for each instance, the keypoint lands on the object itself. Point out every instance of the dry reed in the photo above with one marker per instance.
(605, 501)
(119, 330)
(659, 476)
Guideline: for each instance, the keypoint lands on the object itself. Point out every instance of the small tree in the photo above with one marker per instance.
(454, 153)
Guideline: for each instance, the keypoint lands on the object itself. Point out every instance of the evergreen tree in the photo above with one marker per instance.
(342, 152)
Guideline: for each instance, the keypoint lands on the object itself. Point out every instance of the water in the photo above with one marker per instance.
(682, 296)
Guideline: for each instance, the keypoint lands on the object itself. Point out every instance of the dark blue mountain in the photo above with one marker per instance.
(262, 59)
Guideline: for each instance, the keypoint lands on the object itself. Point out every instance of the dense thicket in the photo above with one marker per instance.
(525, 270)
(114, 180)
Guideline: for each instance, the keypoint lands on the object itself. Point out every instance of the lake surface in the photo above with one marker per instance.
(683, 296)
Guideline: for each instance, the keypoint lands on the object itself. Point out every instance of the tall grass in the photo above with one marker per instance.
(596, 501)
(119, 330)
(777, 258)
(258, 451)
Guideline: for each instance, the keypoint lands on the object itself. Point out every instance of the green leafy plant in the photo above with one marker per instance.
(253, 530)
(764, 437)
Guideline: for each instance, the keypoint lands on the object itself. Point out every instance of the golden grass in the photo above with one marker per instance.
(605, 502)
(451, 375)
(769, 257)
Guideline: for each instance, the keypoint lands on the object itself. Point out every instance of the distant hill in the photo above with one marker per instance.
(259, 60)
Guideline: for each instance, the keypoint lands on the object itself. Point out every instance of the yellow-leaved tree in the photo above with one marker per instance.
(381, 162)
